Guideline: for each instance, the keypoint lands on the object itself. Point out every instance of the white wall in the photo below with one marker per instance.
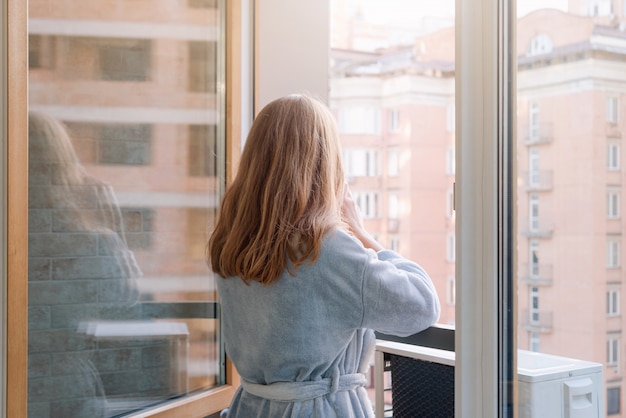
(293, 49)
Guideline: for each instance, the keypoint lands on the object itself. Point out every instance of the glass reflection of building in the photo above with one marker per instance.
(138, 87)
(397, 124)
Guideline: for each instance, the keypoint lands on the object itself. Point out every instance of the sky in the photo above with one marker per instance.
(399, 11)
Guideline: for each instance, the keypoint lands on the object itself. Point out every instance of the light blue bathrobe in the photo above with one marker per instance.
(303, 343)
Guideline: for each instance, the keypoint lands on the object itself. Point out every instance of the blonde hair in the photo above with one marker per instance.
(50, 145)
(286, 195)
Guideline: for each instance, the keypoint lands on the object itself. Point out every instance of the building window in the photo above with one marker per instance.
(361, 162)
(393, 162)
(202, 67)
(451, 247)
(534, 258)
(613, 401)
(540, 44)
(612, 109)
(613, 204)
(138, 227)
(534, 305)
(394, 209)
(612, 302)
(533, 213)
(451, 290)
(599, 8)
(450, 161)
(125, 59)
(534, 342)
(612, 350)
(41, 51)
(368, 203)
(533, 122)
(533, 167)
(612, 156)
(202, 157)
(359, 120)
(125, 144)
(394, 120)
(612, 252)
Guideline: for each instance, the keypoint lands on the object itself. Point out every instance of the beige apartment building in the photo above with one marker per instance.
(395, 108)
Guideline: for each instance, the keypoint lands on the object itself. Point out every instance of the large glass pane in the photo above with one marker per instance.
(571, 121)
(392, 92)
(126, 138)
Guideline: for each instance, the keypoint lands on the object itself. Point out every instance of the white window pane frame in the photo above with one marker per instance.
(612, 350)
(612, 109)
(485, 105)
(613, 248)
(613, 204)
(613, 156)
(394, 120)
(451, 290)
(393, 162)
(533, 167)
(612, 302)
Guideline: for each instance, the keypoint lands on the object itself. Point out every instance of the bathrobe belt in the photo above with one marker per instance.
(303, 391)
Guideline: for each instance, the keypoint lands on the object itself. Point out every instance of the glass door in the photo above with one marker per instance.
(126, 141)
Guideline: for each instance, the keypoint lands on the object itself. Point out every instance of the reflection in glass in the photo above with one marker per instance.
(125, 172)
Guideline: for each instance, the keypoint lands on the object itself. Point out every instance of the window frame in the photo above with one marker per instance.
(613, 302)
(613, 203)
(612, 350)
(485, 87)
(15, 129)
(613, 149)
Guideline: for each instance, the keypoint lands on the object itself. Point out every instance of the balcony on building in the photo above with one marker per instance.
(537, 229)
(539, 181)
(536, 274)
(537, 320)
(539, 134)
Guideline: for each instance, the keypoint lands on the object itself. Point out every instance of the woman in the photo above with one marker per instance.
(303, 283)
(91, 284)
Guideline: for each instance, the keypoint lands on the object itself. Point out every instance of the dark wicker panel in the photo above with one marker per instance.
(421, 389)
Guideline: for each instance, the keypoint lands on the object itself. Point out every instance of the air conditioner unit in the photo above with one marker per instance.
(422, 384)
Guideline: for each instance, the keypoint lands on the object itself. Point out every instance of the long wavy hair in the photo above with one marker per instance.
(286, 195)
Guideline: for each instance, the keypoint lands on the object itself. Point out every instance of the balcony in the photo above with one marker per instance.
(537, 135)
(537, 321)
(537, 229)
(539, 181)
(415, 376)
(536, 275)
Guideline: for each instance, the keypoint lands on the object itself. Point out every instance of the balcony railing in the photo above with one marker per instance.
(539, 181)
(537, 321)
(538, 229)
(537, 135)
(536, 275)
(415, 377)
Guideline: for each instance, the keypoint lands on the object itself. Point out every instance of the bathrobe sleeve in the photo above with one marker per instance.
(399, 297)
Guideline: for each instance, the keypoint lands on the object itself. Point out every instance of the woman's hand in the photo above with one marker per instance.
(354, 219)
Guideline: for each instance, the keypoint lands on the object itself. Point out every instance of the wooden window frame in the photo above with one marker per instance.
(15, 129)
